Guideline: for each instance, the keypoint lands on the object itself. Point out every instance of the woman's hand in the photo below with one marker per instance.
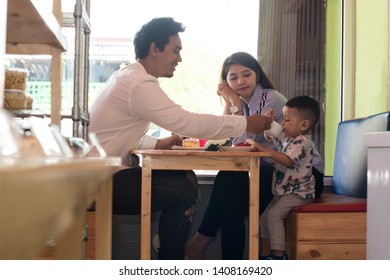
(230, 97)
(228, 94)
(168, 142)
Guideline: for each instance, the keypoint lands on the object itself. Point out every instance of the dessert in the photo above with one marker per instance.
(243, 144)
(191, 142)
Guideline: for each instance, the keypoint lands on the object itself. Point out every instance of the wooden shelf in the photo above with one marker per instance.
(32, 28)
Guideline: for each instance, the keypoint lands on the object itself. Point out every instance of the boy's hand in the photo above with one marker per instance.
(271, 114)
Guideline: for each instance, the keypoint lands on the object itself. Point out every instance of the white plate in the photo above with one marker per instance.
(187, 148)
(236, 149)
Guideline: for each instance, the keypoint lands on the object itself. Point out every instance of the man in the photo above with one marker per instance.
(120, 116)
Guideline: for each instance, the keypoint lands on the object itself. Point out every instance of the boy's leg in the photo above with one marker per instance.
(275, 220)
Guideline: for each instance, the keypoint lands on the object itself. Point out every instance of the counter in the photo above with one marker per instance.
(46, 199)
(378, 195)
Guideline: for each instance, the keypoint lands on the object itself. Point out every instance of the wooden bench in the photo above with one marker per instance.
(334, 227)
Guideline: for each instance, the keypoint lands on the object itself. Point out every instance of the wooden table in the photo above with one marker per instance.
(201, 160)
(46, 199)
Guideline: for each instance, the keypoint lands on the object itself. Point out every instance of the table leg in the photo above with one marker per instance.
(254, 206)
(103, 220)
(145, 210)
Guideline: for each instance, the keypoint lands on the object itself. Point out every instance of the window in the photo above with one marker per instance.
(214, 30)
(292, 51)
(289, 44)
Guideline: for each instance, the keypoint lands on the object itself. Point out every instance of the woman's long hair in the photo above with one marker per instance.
(249, 61)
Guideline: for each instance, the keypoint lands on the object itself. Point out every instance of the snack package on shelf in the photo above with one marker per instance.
(16, 78)
(15, 84)
(15, 99)
(29, 102)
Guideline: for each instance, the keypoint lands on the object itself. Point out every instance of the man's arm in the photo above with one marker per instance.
(258, 123)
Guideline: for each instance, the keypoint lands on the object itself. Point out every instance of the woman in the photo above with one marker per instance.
(246, 90)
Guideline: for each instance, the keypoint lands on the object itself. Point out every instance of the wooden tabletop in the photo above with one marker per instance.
(201, 153)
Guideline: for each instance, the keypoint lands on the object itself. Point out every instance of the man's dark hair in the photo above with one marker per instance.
(307, 107)
(158, 30)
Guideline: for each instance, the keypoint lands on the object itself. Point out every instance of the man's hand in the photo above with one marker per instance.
(169, 142)
(258, 123)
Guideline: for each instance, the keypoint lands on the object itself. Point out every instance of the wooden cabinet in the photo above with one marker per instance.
(32, 28)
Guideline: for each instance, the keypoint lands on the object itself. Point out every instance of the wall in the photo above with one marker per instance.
(332, 80)
(371, 57)
(360, 73)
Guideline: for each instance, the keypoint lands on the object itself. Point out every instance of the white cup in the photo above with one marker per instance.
(275, 130)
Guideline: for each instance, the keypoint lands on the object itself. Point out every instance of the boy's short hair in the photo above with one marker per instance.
(158, 30)
(307, 107)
